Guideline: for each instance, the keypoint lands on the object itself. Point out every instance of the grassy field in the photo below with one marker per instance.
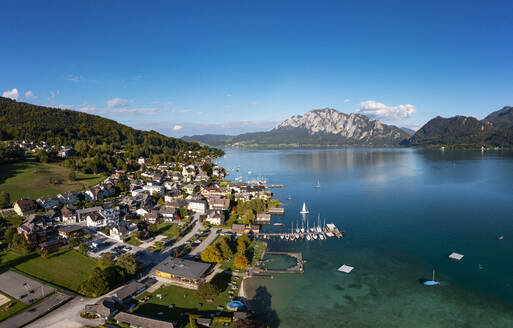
(16, 307)
(184, 301)
(170, 230)
(34, 180)
(66, 268)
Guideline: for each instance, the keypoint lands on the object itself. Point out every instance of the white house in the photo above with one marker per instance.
(198, 206)
(119, 232)
(157, 189)
(137, 192)
(95, 220)
(215, 217)
(141, 160)
(111, 215)
(68, 215)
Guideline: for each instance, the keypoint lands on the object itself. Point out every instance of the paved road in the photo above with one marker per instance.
(35, 311)
(207, 241)
(194, 230)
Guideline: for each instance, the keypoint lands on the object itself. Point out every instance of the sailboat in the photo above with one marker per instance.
(432, 282)
(318, 185)
(302, 226)
(297, 226)
(304, 210)
(319, 230)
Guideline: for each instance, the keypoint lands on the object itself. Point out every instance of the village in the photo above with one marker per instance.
(187, 228)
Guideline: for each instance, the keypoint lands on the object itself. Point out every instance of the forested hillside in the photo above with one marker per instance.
(93, 137)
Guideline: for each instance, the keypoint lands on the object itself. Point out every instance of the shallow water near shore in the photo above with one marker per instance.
(404, 211)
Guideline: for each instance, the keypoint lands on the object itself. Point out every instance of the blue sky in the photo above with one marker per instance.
(192, 67)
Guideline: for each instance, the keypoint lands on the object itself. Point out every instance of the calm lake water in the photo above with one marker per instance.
(404, 211)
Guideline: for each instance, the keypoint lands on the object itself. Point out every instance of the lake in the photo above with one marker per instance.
(404, 211)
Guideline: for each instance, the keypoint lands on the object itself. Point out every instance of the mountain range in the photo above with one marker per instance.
(329, 127)
(318, 127)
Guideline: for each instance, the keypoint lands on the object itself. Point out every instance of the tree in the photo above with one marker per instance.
(42, 155)
(241, 246)
(5, 199)
(105, 261)
(128, 263)
(44, 253)
(97, 284)
(82, 248)
(244, 238)
(226, 250)
(72, 176)
(9, 234)
(208, 290)
(240, 262)
(211, 255)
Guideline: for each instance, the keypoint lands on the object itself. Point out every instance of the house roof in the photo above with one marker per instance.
(140, 321)
(70, 228)
(183, 268)
(26, 204)
(130, 290)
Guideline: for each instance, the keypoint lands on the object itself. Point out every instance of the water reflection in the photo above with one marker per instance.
(333, 160)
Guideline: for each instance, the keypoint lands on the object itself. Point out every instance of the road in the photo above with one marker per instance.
(35, 311)
(68, 315)
(209, 240)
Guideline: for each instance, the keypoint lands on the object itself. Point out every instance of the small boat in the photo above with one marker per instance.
(321, 236)
(282, 236)
(432, 282)
(296, 235)
(308, 237)
(287, 237)
(290, 197)
(501, 237)
(302, 235)
(304, 210)
(318, 185)
(277, 224)
(315, 236)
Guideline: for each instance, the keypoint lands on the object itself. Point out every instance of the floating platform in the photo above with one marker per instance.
(346, 268)
(456, 256)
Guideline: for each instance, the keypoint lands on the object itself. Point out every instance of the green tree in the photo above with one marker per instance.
(224, 247)
(83, 249)
(72, 176)
(97, 284)
(240, 262)
(9, 234)
(105, 261)
(44, 253)
(211, 255)
(42, 156)
(5, 199)
(208, 290)
(128, 263)
(244, 238)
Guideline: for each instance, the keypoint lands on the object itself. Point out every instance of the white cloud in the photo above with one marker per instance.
(118, 103)
(30, 95)
(176, 129)
(53, 94)
(134, 111)
(185, 110)
(74, 78)
(13, 94)
(162, 103)
(64, 106)
(347, 100)
(379, 110)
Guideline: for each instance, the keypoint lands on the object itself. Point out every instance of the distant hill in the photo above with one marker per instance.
(23, 121)
(462, 131)
(408, 130)
(208, 139)
(322, 127)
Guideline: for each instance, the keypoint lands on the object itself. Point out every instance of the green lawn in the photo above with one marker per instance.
(15, 307)
(34, 180)
(65, 268)
(184, 301)
(134, 241)
(170, 230)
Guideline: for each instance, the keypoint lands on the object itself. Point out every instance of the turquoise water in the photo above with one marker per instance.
(404, 211)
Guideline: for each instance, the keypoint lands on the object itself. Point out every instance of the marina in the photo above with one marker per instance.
(318, 232)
